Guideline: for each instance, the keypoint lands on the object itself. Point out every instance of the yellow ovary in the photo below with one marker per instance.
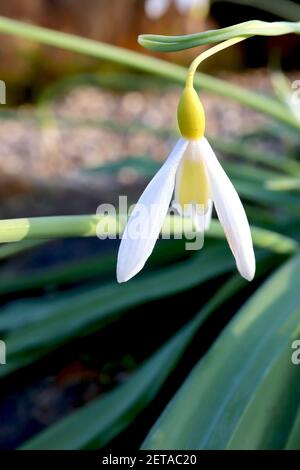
(193, 184)
(191, 115)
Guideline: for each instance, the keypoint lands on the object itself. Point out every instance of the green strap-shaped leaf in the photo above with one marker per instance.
(249, 362)
(70, 273)
(270, 414)
(46, 325)
(13, 249)
(106, 416)
(49, 324)
(293, 442)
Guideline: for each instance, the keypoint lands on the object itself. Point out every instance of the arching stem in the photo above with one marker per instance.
(206, 54)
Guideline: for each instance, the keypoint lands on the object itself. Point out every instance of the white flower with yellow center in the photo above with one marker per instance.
(193, 171)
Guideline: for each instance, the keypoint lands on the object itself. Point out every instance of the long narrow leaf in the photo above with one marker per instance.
(107, 416)
(51, 324)
(232, 375)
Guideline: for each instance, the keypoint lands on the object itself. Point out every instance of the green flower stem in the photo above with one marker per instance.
(150, 65)
(206, 54)
(39, 228)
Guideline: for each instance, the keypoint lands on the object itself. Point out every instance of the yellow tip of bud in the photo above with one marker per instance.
(190, 115)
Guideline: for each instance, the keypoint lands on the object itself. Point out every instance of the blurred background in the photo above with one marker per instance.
(63, 86)
(73, 133)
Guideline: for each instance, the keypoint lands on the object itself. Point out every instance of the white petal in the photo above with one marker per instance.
(147, 217)
(230, 212)
(208, 215)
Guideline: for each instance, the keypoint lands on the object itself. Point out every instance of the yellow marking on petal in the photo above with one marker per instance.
(191, 115)
(193, 184)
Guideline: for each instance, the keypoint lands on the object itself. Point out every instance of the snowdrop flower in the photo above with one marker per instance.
(157, 8)
(194, 173)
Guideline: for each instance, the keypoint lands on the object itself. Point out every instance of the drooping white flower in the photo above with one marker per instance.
(194, 173)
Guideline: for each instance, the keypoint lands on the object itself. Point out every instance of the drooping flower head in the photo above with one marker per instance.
(193, 173)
